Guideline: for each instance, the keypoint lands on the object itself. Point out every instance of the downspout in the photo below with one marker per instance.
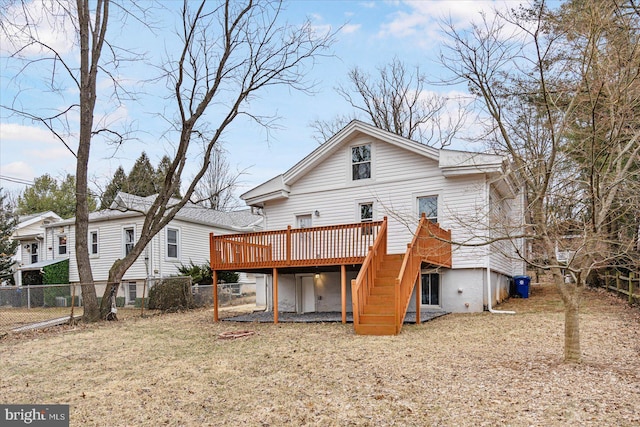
(488, 256)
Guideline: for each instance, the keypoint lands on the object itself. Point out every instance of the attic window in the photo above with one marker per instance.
(361, 162)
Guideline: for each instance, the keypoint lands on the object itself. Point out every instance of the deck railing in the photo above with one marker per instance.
(313, 246)
(361, 286)
(429, 244)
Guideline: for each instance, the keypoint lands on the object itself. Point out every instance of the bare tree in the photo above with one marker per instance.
(76, 25)
(231, 51)
(216, 188)
(397, 100)
(534, 73)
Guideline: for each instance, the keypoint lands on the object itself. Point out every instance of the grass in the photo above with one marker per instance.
(474, 369)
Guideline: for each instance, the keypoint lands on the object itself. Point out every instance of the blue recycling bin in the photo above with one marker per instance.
(522, 285)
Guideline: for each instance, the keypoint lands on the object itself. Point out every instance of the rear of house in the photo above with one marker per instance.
(364, 174)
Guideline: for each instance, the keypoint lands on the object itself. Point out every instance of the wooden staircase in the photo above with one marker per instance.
(382, 291)
(378, 312)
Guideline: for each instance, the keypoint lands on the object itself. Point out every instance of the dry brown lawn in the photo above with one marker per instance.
(475, 369)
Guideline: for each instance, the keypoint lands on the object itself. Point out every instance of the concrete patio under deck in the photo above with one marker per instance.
(322, 317)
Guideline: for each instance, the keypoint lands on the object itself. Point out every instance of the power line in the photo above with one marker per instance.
(15, 180)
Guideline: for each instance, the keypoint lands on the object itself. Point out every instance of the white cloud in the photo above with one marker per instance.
(351, 28)
(420, 19)
(12, 133)
(47, 22)
(20, 170)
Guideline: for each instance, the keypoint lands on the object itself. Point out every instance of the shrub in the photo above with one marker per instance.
(138, 303)
(171, 294)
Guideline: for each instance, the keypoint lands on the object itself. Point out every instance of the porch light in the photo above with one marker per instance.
(317, 213)
(317, 275)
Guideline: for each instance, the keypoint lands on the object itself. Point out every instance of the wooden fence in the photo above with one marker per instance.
(626, 285)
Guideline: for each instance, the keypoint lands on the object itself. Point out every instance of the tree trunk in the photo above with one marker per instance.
(572, 351)
(570, 293)
(88, 72)
(113, 282)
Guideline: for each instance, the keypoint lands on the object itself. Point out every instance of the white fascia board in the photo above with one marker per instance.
(271, 190)
(41, 217)
(456, 163)
(261, 198)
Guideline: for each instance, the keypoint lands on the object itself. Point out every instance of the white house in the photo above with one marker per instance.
(30, 232)
(364, 174)
(114, 231)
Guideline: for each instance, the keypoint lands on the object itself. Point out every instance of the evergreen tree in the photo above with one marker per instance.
(116, 184)
(141, 181)
(161, 174)
(7, 246)
(47, 195)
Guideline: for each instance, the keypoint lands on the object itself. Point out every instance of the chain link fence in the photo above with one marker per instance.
(29, 307)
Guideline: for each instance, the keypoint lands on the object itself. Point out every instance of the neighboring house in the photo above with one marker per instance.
(360, 176)
(113, 232)
(30, 232)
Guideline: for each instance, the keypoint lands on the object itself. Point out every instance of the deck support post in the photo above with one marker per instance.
(418, 297)
(343, 288)
(214, 285)
(275, 295)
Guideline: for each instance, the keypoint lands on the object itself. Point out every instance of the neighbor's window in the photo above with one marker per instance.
(361, 162)
(93, 243)
(133, 292)
(429, 206)
(129, 239)
(62, 245)
(34, 252)
(172, 243)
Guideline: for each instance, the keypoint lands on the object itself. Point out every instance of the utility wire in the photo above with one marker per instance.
(15, 180)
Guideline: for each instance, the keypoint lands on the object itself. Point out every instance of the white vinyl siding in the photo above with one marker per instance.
(392, 192)
(111, 248)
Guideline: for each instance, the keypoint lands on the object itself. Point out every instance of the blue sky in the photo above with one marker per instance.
(372, 33)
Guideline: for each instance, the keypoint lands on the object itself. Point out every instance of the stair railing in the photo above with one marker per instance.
(409, 272)
(361, 286)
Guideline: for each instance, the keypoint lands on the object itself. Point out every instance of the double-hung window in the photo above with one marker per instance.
(173, 236)
(93, 243)
(429, 207)
(361, 162)
(34, 252)
(62, 245)
(366, 215)
(129, 239)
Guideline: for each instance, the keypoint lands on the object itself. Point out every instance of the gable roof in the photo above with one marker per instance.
(27, 220)
(127, 205)
(451, 162)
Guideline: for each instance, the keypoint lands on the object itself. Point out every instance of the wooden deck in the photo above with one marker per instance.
(294, 247)
(362, 245)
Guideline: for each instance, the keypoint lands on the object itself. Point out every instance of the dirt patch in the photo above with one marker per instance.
(475, 369)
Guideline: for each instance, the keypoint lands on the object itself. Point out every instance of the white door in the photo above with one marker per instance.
(306, 295)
